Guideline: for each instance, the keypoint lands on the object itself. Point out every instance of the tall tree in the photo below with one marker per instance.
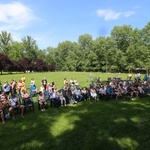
(61, 54)
(123, 36)
(84, 41)
(16, 51)
(30, 48)
(146, 35)
(5, 42)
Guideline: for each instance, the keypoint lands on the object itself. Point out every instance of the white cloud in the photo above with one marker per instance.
(129, 13)
(15, 16)
(108, 14)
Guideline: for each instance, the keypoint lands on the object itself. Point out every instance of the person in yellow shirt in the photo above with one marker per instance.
(23, 79)
(129, 77)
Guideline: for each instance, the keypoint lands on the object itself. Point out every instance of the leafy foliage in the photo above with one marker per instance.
(125, 49)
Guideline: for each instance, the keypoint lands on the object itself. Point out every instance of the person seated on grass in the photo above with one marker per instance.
(61, 98)
(21, 86)
(14, 104)
(53, 99)
(2, 112)
(26, 97)
(69, 95)
(6, 88)
(13, 86)
(77, 94)
(85, 93)
(118, 92)
(129, 93)
(135, 90)
(93, 93)
(42, 101)
(109, 91)
(3, 98)
(33, 90)
(102, 92)
(123, 90)
(141, 90)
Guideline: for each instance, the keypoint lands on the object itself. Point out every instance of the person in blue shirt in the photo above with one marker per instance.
(6, 88)
(33, 90)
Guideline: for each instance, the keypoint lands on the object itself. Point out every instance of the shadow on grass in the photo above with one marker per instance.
(88, 125)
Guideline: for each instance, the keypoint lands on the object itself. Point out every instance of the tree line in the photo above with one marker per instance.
(125, 49)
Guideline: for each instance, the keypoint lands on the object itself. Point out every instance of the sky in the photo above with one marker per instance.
(51, 22)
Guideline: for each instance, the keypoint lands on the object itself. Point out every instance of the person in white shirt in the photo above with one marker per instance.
(14, 103)
(77, 94)
(53, 98)
(42, 101)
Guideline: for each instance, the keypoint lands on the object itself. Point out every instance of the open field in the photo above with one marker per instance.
(103, 125)
(82, 77)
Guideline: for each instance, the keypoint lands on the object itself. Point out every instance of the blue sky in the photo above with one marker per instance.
(50, 22)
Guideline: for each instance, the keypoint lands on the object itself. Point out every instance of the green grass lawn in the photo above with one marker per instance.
(102, 125)
(82, 77)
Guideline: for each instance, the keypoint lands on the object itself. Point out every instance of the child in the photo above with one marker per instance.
(42, 101)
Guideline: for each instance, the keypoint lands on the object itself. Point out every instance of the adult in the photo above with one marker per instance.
(25, 96)
(85, 94)
(6, 88)
(13, 86)
(14, 103)
(23, 79)
(65, 81)
(21, 86)
(44, 83)
(93, 93)
(77, 94)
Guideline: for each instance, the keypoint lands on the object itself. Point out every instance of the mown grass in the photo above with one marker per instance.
(82, 77)
(105, 125)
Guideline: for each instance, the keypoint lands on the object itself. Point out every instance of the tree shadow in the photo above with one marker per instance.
(87, 125)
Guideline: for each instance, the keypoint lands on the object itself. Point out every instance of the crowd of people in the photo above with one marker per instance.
(14, 96)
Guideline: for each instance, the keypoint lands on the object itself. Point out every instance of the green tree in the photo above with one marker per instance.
(61, 54)
(16, 51)
(30, 48)
(146, 35)
(123, 36)
(50, 55)
(85, 43)
(5, 42)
